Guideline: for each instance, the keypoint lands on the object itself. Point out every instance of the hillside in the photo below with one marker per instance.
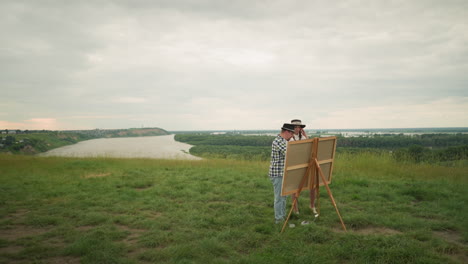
(104, 210)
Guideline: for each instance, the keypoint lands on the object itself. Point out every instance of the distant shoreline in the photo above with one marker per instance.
(409, 129)
(344, 132)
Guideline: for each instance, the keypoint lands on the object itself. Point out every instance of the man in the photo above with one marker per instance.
(278, 156)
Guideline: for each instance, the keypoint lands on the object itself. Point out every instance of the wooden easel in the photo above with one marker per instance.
(314, 165)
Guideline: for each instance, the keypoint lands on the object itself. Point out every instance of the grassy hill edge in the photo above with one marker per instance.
(107, 210)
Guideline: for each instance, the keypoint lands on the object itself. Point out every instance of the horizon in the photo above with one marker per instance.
(225, 130)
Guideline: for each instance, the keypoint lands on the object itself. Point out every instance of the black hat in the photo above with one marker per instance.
(289, 127)
(297, 122)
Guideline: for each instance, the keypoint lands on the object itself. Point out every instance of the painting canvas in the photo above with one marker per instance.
(325, 157)
(300, 169)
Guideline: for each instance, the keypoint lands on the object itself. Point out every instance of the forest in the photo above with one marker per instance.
(415, 148)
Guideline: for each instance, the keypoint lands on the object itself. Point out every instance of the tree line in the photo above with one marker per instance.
(415, 148)
(401, 141)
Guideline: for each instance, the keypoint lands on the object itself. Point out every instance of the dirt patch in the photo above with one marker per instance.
(55, 242)
(132, 240)
(97, 175)
(461, 254)
(460, 257)
(85, 228)
(135, 252)
(63, 260)
(377, 231)
(20, 231)
(370, 230)
(154, 215)
(19, 214)
(134, 233)
(452, 237)
(11, 250)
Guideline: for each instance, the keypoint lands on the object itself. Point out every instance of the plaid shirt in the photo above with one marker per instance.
(278, 155)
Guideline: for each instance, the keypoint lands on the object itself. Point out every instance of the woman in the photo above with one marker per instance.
(300, 134)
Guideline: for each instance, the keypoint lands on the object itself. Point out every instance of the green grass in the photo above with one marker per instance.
(103, 210)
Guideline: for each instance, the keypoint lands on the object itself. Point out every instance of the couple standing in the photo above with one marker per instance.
(289, 131)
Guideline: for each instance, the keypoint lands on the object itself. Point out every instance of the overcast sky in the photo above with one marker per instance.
(224, 64)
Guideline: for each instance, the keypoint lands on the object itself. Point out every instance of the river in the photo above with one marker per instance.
(158, 147)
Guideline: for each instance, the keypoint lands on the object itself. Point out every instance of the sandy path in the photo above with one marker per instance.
(160, 147)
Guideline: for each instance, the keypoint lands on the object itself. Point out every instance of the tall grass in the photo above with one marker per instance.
(382, 165)
(105, 210)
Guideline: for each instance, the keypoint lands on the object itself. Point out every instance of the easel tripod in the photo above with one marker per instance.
(314, 165)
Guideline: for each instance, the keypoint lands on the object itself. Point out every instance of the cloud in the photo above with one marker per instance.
(451, 112)
(195, 64)
(32, 124)
(129, 100)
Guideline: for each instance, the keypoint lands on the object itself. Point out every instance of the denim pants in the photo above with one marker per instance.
(280, 201)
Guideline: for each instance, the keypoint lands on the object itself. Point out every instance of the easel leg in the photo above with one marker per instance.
(290, 212)
(295, 206)
(330, 194)
(317, 197)
(336, 208)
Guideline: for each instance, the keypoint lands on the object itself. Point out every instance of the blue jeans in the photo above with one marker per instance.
(280, 201)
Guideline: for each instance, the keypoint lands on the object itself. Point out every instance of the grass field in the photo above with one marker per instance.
(103, 210)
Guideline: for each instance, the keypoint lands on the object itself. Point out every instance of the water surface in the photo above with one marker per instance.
(159, 147)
